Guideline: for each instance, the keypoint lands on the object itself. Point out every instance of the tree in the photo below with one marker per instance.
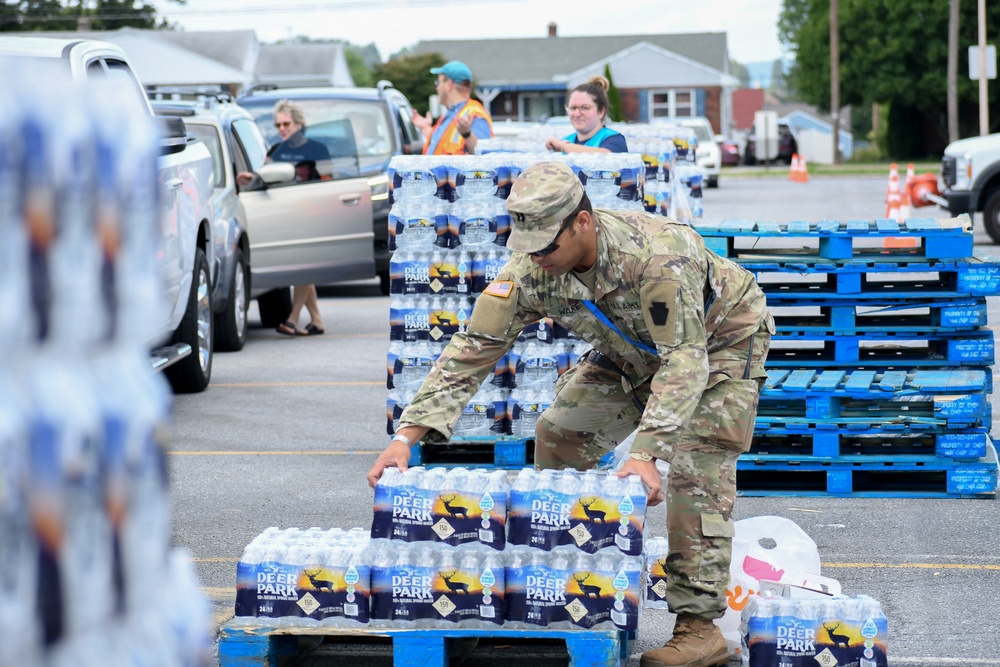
(614, 98)
(53, 15)
(411, 75)
(740, 71)
(893, 53)
(356, 65)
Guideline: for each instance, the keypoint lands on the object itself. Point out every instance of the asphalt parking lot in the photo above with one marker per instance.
(289, 427)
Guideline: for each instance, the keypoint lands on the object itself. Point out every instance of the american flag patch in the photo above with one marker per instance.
(501, 288)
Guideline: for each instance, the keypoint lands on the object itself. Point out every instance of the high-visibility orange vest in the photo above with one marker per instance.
(451, 142)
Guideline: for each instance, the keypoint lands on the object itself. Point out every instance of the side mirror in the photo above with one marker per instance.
(173, 134)
(273, 173)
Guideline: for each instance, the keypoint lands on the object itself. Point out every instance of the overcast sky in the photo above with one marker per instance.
(393, 24)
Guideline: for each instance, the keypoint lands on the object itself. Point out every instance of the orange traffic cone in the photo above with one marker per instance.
(892, 195)
(919, 187)
(798, 172)
(904, 204)
(894, 202)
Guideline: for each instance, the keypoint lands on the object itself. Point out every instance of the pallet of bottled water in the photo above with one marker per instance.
(673, 182)
(87, 572)
(800, 632)
(296, 577)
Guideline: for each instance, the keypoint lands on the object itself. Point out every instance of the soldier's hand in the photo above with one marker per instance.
(397, 455)
(646, 470)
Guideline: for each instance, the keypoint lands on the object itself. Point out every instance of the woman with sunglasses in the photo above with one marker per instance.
(294, 147)
(305, 153)
(588, 110)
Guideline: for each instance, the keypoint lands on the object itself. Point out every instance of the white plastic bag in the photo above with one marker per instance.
(764, 547)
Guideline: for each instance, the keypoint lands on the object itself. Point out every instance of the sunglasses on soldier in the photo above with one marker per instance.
(552, 247)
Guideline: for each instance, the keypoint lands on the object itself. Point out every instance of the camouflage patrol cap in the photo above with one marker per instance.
(541, 198)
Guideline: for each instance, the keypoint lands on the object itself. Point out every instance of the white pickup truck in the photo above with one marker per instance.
(181, 343)
(971, 174)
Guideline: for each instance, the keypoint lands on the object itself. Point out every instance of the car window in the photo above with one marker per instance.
(700, 131)
(121, 75)
(410, 132)
(252, 142)
(369, 124)
(209, 136)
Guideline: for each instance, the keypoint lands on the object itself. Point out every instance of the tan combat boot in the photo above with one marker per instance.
(696, 643)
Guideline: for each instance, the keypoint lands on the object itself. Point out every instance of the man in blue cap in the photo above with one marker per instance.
(465, 121)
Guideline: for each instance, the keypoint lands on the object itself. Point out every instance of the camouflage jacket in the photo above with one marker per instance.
(659, 285)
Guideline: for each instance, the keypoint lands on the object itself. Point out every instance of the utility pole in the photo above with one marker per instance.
(984, 109)
(953, 72)
(835, 78)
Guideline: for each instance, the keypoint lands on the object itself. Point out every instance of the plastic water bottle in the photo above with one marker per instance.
(538, 365)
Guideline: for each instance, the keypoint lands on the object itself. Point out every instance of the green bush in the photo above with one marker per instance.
(868, 155)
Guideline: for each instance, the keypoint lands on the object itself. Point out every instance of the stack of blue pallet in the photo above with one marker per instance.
(879, 373)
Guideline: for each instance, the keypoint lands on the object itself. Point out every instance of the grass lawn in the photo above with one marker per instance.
(780, 170)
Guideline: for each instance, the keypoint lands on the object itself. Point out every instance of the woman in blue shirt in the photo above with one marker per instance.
(588, 109)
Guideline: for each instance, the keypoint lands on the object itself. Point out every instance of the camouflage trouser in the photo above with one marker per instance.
(592, 412)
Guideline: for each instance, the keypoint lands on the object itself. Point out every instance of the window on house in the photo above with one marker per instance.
(672, 103)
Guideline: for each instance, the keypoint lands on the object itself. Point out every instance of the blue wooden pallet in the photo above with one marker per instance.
(899, 283)
(836, 239)
(838, 398)
(241, 646)
(487, 452)
(872, 443)
(929, 477)
(854, 318)
(973, 348)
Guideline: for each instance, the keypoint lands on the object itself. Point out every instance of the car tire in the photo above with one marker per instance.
(192, 374)
(383, 282)
(991, 216)
(275, 306)
(712, 181)
(231, 324)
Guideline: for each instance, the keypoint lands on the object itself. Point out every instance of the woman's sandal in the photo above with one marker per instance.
(313, 330)
(288, 328)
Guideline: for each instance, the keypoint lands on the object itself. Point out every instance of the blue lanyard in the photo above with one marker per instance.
(604, 318)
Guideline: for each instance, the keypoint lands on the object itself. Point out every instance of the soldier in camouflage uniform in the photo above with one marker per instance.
(683, 364)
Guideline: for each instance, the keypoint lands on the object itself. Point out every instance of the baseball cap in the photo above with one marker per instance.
(454, 70)
(540, 200)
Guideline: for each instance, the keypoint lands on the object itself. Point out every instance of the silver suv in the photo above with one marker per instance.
(379, 121)
(276, 231)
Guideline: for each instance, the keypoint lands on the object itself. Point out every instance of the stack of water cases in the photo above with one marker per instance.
(87, 573)
(575, 550)
(567, 556)
(441, 534)
(673, 182)
(448, 227)
(303, 578)
(801, 632)
(879, 374)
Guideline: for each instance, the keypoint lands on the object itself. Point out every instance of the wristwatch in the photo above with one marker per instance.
(403, 439)
(640, 456)
(466, 135)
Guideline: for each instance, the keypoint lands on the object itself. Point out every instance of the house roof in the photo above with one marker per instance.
(549, 59)
(300, 60)
(159, 63)
(236, 48)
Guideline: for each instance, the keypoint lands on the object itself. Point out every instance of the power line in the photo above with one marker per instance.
(284, 9)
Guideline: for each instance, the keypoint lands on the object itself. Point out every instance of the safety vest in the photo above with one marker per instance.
(451, 142)
(594, 141)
